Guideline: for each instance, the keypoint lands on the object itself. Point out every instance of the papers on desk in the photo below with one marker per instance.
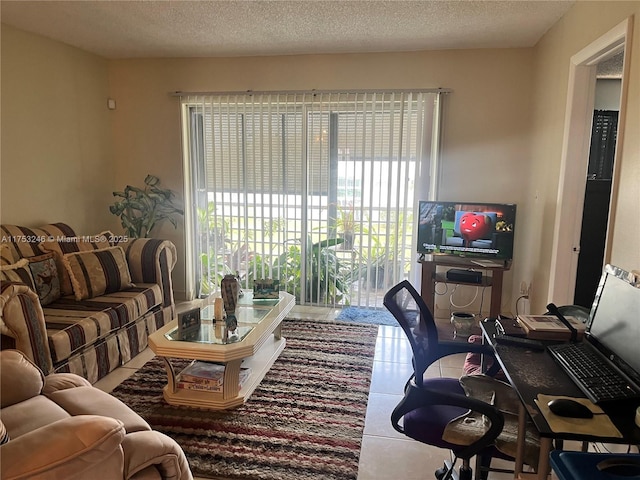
(598, 426)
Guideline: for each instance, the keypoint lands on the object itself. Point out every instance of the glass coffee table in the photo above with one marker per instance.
(254, 344)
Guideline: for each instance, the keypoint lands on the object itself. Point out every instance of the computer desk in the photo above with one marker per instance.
(533, 372)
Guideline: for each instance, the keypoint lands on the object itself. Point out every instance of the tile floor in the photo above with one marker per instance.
(385, 453)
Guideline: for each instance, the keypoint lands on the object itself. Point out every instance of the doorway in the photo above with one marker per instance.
(575, 155)
(595, 216)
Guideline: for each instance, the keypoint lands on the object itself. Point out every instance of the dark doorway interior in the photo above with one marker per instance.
(596, 205)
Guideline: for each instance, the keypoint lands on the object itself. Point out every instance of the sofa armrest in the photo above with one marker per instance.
(22, 319)
(63, 449)
(151, 448)
(151, 260)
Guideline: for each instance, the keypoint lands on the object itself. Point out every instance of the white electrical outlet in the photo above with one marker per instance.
(524, 288)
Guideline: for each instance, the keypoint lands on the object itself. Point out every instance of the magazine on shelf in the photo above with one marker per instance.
(203, 372)
(188, 385)
(549, 327)
(199, 386)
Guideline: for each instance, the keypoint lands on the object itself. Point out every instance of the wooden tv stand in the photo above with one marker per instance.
(430, 277)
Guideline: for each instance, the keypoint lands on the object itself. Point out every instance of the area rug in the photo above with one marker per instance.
(304, 421)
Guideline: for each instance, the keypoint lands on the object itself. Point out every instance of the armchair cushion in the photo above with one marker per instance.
(62, 381)
(98, 272)
(20, 379)
(89, 400)
(70, 430)
(144, 449)
(64, 449)
(31, 414)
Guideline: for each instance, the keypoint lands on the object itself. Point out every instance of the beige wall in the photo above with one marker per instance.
(56, 138)
(486, 128)
(583, 24)
(63, 152)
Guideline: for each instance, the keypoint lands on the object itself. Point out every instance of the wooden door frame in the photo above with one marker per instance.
(575, 157)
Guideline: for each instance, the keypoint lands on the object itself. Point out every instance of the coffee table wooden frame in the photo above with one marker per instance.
(258, 350)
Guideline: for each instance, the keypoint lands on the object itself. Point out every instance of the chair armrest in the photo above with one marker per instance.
(420, 397)
(22, 319)
(62, 449)
(20, 379)
(151, 260)
(151, 448)
(62, 381)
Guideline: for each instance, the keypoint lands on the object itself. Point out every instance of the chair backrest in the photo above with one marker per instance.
(403, 301)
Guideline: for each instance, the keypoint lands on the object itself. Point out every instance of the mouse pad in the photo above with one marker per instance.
(582, 465)
(600, 425)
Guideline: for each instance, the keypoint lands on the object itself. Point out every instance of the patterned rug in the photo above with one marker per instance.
(304, 421)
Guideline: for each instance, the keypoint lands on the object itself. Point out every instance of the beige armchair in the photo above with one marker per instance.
(60, 427)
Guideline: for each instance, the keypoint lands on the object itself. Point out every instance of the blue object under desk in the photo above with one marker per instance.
(584, 465)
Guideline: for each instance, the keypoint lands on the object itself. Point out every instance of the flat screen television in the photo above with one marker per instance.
(475, 230)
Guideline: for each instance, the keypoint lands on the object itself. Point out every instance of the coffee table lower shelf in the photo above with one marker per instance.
(230, 397)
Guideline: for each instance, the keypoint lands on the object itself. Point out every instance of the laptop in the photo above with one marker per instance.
(612, 337)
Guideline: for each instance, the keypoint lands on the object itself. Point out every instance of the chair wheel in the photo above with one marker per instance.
(441, 473)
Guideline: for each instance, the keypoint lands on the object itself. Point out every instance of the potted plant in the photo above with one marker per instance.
(142, 209)
(346, 226)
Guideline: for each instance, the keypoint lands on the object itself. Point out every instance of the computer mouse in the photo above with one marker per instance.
(565, 407)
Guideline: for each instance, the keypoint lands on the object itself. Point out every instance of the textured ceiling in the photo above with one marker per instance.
(135, 29)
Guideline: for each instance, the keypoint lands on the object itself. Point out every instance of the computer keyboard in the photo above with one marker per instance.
(597, 379)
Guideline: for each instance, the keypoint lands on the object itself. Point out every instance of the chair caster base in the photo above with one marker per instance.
(441, 473)
(465, 473)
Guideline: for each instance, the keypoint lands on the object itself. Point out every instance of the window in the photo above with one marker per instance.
(316, 190)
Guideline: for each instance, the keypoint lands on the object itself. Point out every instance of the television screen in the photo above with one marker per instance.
(480, 230)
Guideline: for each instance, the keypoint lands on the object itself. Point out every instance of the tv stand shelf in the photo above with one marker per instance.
(430, 276)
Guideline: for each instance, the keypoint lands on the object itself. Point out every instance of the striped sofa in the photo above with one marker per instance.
(113, 292)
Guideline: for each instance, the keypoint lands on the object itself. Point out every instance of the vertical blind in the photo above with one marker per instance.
(316, 189)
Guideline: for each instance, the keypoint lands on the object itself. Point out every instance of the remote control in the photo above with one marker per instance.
(519, 342)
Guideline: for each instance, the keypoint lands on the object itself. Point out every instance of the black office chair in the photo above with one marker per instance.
(430, 404)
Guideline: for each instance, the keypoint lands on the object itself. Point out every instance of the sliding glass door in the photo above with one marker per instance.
(315, 190)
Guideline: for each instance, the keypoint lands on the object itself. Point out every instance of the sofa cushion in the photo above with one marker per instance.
(72, 324)
(97, 272)
(71, 245)
(45, 277)
(25, 242)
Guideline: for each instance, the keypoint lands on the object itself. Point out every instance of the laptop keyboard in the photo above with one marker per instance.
(598, 380)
